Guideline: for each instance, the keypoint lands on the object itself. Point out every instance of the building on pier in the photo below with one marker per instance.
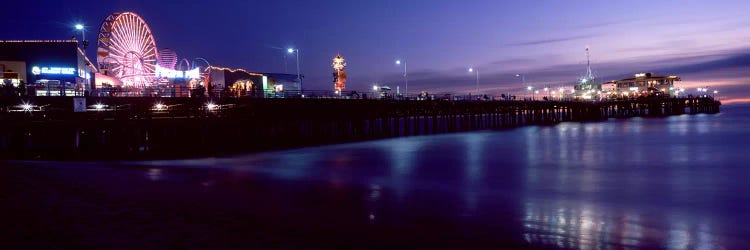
(240, 82)
(46, 67)
(645, 84)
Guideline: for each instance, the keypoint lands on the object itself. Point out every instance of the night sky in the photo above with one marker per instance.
(705, 42)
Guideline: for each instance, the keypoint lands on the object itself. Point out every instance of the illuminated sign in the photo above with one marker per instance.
(52, 71)
(633, 88)
(193, 73)
(640, 75)
(170, 73)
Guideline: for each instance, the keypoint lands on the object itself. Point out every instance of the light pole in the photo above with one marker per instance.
(477, 71)
(299, 78)
(523, 81)
(406, 78)
(83, 35)
(523, 78)
(531, 89)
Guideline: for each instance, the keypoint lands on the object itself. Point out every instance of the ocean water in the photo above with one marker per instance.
(676, 182)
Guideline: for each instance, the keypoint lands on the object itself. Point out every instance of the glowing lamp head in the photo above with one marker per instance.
(398, 61)
(471, 69)
(374, 87)
(518, 75)
(211, 106)
(99, 106)
(290, 50)
(716, 91)
(79, 26)
(529, 88)
(583, 80)
(159, 106)
(27, 106)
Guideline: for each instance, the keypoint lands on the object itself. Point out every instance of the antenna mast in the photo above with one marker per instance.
(589, 73)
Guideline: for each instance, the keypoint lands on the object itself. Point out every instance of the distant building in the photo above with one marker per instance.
(587, 88)
(46, 67)
(645, 84)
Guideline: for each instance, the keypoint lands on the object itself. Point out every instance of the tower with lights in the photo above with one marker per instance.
(339, 74)
(587, 87)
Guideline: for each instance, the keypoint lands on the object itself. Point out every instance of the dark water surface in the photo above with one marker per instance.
(677, 182)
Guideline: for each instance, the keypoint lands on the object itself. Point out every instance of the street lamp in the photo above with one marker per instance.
(83, 34)
(406, 78)
(477, 71)
(299, 78)
(530, 89)
(523, 81)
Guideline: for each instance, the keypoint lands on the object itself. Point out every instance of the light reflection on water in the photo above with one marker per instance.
(676, 182)
(585, 226)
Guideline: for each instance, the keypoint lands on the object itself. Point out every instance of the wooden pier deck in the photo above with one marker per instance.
(132, 128)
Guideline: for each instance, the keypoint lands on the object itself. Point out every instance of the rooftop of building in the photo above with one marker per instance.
(649, 76)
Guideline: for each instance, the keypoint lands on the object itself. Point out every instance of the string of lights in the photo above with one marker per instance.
(232, 70)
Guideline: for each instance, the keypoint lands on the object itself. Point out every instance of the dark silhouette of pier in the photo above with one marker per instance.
(147, 128)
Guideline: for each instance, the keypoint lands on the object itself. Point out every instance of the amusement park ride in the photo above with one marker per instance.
(126, 51)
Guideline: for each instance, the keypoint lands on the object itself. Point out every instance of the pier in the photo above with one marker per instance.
(150, 128)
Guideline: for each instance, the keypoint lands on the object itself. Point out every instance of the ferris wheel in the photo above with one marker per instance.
(127, 49)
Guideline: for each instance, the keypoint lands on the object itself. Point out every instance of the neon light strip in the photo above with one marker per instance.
(38, 41)
(232, 70)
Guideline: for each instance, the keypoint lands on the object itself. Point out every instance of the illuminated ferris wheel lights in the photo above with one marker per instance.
(127, 49)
